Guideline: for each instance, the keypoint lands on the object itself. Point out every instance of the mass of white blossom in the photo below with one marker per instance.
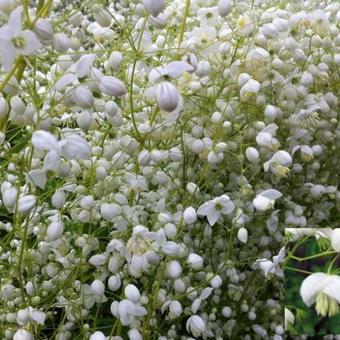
(152, 153)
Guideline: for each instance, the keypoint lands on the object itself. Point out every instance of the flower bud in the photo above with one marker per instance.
(26, 204)
(110, 211)
(82, 96)
(252, 155)
(102, 16)
(9, 197)
(115, 60)
(174, 269)
(224, 7)
(61, 43)
(195, 261)
(114, 282)
(97, 260)
(98, 287)
(154, 7)
(55, 230)
(111, 86)
(189, 215)
(242, 235)
(167, 96)
(132, 293)
(134, 334)
(43, 29)
(4, 107)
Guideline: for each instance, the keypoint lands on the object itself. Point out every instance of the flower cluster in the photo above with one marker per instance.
(151, 154)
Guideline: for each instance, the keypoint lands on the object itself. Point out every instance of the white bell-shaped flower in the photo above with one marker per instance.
(324, 290)
(154, 7)
(195, 325)
(266, 199)
(167, 96)
(335, 239)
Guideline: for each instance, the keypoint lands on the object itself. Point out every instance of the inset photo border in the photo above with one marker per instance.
(312, 281)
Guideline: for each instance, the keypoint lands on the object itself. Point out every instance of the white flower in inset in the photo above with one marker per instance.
(289, 317)
(214, 208)
(14, 41)
(324, 290)
(335, 239)
(266, 199)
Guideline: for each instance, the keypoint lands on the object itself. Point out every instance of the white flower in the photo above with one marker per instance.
(279, 164)
(266, 199)
(250, 88)
(324, 290)
(195, 261)
(23, 334)
(55, 230)
(271, 267)
(189, 215)
(132, 293)
(111, 86)
(14, 41)
(26, 203)
(335, 239)
(252, 155)
(195, 325)
(214, 208)
(30, 314)
(242, 235)
(128, 310)
(97, 336)
(289, 317)
(167, 96)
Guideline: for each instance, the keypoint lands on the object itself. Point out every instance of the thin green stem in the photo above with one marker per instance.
(181, 34)
(298, 270)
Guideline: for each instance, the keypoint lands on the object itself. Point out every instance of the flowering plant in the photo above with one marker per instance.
(151, 153)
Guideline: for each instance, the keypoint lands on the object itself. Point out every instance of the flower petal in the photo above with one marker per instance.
(333, 288)
(213, 217)
(31, 43)
(14, 20)
(311, 286)
(335, 239)
(206, 208)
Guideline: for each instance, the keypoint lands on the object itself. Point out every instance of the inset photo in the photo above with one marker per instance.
(312, 281)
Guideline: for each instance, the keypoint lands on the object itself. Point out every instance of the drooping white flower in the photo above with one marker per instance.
(271, 267)
(213, 209)
(167, 96)
(14, 41)
(195, 325)
(289, 317)
(266, 199)
(324, 290)
(335, 239)
(250, 88)
(128, 310)
(279, 163)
